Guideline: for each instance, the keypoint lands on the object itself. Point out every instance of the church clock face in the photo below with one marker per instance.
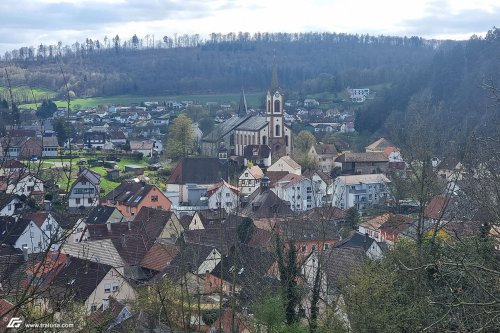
(276, 94)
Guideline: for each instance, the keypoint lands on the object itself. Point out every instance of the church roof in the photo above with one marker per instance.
(224, 128)
(254, 123)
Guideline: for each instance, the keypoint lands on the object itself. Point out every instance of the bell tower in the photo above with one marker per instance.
(274, 117)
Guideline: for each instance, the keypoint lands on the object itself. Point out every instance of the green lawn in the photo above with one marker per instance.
(39, 93)
(252, 100)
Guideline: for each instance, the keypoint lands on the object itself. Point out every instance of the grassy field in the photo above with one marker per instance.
(252, 100)
(25, 91)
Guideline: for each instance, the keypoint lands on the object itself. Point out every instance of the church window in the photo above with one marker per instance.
(277, 130)
(253, 139)
(245, 140)
(268, 106)
(264, 140)
(277, 108)
(286, 140)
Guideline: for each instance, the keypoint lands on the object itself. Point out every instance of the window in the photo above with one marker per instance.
(303, 248)
(154, 198)
(115, 286)
(93, 308)
(277, 130)
(77, 201)
(79, 229)
(246, 174)
(90, 200)
(89, 190)
(107, 287)
(9, 207)
(309, 189)
(48, 227)
(325, 246)
(227, 195)
(84, 182)
(314, 247)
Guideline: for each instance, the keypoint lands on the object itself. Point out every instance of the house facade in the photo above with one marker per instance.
(249, 180)
(85, 191)
(360, 191)
(223, 195)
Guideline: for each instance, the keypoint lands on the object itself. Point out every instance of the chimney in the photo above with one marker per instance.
(108, 225)
(264, 183)
(25, 253)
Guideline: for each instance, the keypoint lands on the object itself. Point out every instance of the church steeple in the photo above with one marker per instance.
(242, 108)
(274, 79)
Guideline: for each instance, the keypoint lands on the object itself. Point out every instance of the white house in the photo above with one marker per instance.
(249, 180)
(49, 226)
(300, 192)
(27, 185)
(23, 233)
(85, 191)
(223, 195)
(286, 163)
(360, 191)
(8, 204)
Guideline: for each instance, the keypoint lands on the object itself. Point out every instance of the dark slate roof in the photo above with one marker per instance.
(11, 230)
(356, 239)
(100, 215)
(134, 239)
(224, 128)
(79, 278)
(341, 265)
(220, 238)
(247, 262)
(252, 152)
(6, 199)
(198, 170)
(254, 123)
(191, 256)
(265, 203)
(129, 193)
(299, 229)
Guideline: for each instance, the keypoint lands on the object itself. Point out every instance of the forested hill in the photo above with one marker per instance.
(223, 63)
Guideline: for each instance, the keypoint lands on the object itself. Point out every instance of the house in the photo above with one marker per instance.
(240, 271)
(52, 230)
(369, 245)
(286, 163)
(22, 233)
(86, 190)
(115, 315)
(193, 176)
(146, 147)
(26, 184)
(300, 192)
(249, 180)
(198, 259)
(104, 214)
(324, 155)
(378, 146)
(386, 227)
(310, 103)
(159, 256)
(362, 163)
(323, 185)
(360, 191)
(27, 147)
(94, 140)
(117, 137)
(124, 245)
(91, 284)
(223, 195)
(358, 95)
(130, 197)
(257, 155)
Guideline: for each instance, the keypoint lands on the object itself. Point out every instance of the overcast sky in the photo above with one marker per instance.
(31, 22)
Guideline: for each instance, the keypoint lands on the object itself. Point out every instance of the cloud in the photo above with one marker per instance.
(442, 19)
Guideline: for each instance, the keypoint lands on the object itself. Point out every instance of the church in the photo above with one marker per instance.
(238, 132)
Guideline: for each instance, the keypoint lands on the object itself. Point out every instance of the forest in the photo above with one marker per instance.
(453, 73)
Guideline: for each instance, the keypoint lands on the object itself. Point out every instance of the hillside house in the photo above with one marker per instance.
(249, 180)
(286, 163)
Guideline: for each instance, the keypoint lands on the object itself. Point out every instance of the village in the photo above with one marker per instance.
(92, 220)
